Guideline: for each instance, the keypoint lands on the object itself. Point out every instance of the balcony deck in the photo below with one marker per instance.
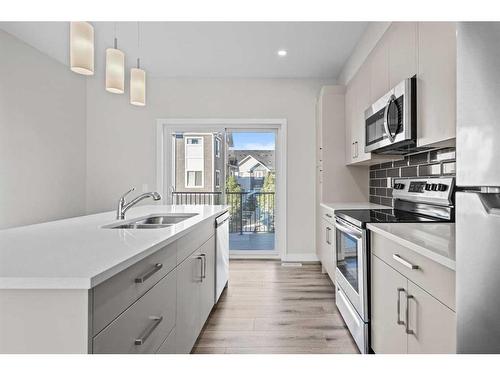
(251, 241)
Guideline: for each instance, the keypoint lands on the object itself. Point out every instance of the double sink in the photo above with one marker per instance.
(154, 221)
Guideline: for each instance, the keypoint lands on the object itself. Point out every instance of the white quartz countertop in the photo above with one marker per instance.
(78, 253)
(352, 205)
(435, 241)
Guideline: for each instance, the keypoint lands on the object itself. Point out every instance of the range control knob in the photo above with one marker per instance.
(442, 187)
(434, 187)
(428, 187)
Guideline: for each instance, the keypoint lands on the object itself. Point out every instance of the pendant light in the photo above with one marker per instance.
(81, 47)
(138, 80)
(115, 69)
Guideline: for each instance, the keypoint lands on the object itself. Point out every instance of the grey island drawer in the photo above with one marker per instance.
(114, 295)
(143, 327)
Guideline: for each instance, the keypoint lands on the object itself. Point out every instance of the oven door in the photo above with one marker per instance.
(351, 270)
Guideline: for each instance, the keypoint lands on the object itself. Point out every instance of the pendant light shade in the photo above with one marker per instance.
(82, 48)
(115, 70)
(137, 86)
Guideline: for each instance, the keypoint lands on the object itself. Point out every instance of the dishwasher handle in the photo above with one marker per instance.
(222, 219)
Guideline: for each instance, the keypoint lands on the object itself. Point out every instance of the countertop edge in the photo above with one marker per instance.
(87, 283)
(446, 262)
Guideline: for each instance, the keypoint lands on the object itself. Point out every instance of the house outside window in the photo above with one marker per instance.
(217, 179)
(194, 162)
(217, 147)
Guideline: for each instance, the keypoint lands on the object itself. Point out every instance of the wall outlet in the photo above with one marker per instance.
(389, 182)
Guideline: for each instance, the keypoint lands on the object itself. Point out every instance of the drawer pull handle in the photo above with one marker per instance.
(200, 257)
(328, 215)
(405, 263)
(407, 325)
(328, 231)
(156, 322)
(400, 322)
(204, 268)
(147, 275)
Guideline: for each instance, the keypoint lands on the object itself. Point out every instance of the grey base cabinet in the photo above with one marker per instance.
(195, 295)
(387, 332)
(160, 304)
(405, 318)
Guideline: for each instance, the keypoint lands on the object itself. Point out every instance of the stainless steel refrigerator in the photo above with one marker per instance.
(478, 176)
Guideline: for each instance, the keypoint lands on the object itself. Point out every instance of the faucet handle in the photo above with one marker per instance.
(128, 192)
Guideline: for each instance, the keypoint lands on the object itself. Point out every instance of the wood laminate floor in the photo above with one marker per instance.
(271, 309)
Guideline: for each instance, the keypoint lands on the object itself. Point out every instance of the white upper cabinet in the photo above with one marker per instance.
(436, 85)
(425, 49)
(378, 65)
(402, 38)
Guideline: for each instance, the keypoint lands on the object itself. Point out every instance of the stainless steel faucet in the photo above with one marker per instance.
(123, 207)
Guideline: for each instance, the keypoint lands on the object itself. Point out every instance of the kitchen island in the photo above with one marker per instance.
(79, 286)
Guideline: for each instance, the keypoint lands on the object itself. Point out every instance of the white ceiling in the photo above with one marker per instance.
(210, 49)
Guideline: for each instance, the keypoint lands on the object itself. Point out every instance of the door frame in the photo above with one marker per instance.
(167, 125)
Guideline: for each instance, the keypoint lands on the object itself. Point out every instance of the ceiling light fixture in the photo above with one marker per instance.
(138, 79)
(115, 69)
(282, 52)
(81, 48)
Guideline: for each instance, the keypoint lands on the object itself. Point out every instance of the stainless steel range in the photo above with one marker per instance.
(417, 200)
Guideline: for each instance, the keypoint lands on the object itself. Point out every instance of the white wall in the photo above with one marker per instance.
(121, 137)
(42, 137)
(368, 40)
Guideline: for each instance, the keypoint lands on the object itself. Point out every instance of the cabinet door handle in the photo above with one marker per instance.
(204, 268)
(328, 231)
(201, 267)
(156, 322)
(356, 148)
(147, 275)
(405, 263)
(407, 326)
(400, 322)
(328, 215)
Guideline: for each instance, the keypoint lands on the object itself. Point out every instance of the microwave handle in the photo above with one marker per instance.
(386, 121)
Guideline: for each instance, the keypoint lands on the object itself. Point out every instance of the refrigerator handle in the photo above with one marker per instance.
(491, 203)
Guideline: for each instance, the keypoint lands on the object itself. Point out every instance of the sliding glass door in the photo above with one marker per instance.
(225, 165)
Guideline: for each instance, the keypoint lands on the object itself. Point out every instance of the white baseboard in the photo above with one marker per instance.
(301, 257)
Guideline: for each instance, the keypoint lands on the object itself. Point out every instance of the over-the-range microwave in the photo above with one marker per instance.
(391, 122)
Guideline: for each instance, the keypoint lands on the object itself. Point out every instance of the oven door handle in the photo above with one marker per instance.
(345, 229)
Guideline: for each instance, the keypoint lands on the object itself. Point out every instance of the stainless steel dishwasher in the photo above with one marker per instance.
(221, 254)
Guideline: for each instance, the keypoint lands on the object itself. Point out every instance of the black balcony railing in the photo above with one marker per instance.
(251, 212)
(210, 198)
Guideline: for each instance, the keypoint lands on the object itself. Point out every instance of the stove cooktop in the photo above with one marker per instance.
(361, 217)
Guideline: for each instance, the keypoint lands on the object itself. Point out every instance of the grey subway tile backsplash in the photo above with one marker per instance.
(386, 201)
(409, 171)
(401, 163)
(443, 154)
(449, 168)
(425, 164)
(429, 170)
(393, 172)
(416, 159)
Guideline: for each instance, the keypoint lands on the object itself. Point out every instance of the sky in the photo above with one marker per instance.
(253, 141)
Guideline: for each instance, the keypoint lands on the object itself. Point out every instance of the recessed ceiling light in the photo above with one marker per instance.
(282, 52)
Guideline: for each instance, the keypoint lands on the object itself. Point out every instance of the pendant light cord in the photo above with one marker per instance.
(138, 45)
(116, 39)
